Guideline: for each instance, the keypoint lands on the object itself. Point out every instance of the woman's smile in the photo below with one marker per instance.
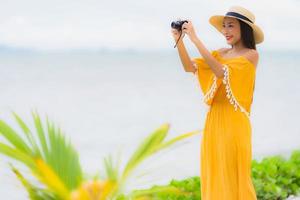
(228, 37)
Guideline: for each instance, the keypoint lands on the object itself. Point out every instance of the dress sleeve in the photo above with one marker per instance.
(207, 80)
(239, 81)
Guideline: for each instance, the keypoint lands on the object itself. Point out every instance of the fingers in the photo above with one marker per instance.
(174, 32)
(187, 25)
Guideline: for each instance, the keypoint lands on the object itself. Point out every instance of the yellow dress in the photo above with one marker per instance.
(226, 149)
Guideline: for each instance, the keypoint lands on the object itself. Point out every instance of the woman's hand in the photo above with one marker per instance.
(188, 29)
(176, 34)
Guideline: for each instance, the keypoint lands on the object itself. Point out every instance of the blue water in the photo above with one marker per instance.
(108, 102)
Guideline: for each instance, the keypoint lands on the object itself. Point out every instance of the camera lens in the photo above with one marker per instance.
(178, 24)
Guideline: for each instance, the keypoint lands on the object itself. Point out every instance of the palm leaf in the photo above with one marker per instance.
(169, 190)
(149, 146)
(63, 158)
(17, 155)
(111, 170)
(51, 180)
(8, 133)
(176, 139)
(145, 148)
(41, 134)
(34, 192)
(53, 149)
(28, 134)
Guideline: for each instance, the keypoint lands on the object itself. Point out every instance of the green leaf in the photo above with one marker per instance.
(14, 138)
(54, 149)
(145, 148)
(34, 192)
(28, 134)
(17, 155)
(41, 134)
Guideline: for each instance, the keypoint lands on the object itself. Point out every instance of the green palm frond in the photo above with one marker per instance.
(55, 162)
(62, 157)
(12, 137)
(152, 144)
(28, 135)
(155, 190)
(48, 144)
(145, 149)
(34, 192)
(17, 155)
(41, 135)
(148, 147)
(174, 140)
(111, 170)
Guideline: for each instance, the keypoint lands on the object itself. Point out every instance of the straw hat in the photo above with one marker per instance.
(242, 14)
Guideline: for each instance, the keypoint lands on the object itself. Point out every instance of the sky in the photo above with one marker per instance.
(135, 24)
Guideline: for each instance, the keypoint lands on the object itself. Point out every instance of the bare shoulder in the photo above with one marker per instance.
(253, 56)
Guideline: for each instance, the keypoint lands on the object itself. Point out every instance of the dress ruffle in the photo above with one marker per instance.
(239, 78)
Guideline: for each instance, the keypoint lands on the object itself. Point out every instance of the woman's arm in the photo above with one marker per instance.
(214, 64)
(183, 54)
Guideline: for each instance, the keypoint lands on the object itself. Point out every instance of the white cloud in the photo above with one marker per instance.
(134, 23)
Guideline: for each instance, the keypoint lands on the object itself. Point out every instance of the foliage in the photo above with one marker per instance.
(277, 178)
(274, 178)
(55, 163)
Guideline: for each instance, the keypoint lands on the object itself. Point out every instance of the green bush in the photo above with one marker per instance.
(277, 178)
(274, 178)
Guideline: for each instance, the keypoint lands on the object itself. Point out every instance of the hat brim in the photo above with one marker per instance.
(217, 22)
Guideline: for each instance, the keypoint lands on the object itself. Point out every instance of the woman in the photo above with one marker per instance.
(227, 78)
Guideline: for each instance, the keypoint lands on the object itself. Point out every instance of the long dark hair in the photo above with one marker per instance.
(247, 35)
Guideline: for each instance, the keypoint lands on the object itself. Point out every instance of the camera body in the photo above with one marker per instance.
(178, 24)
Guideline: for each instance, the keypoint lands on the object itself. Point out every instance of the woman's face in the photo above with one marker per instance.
(231, 30)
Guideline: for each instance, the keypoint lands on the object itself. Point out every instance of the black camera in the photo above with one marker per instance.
(178, 24)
